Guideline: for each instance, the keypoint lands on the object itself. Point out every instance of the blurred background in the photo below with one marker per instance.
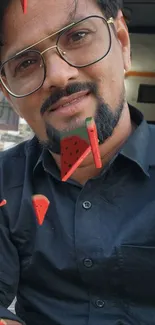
(140, 81)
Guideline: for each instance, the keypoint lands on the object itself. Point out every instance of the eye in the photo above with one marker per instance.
(78, 36)
(25, 64)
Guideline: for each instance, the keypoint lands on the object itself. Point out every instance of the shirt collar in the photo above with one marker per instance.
(47, 162)
(136, 148)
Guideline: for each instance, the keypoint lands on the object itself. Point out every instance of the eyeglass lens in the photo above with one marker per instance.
(85, 43)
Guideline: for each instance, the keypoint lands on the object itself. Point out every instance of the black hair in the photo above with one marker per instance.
(109, 7)
(3, 6)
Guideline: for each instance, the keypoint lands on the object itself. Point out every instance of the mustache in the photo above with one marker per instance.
(65, 92)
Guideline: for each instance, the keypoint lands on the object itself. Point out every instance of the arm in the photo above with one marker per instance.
(9, 273)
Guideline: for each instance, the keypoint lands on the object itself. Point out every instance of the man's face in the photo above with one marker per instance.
(76, 93)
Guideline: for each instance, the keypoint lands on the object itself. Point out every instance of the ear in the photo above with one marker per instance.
(124, 39)
(10, 100)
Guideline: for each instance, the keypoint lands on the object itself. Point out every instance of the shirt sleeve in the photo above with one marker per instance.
(9, 271)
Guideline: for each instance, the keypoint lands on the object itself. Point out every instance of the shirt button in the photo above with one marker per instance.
(100, 303)
(87, 205)
(88, 263)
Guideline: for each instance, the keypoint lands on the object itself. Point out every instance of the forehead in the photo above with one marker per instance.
(42, 19)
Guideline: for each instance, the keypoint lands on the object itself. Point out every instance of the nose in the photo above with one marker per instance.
(58, 72)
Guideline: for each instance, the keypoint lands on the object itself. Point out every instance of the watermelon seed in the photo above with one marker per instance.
(66, 148)
(75, 143)
(77, 151)
(70, 166)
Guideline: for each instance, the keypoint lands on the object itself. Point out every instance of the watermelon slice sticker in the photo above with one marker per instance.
(75, 147)
(2, 203)
(40, 204)
(24, 6)
(2, 322)
(93, 138)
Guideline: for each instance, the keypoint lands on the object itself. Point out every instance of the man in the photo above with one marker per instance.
(93, 259)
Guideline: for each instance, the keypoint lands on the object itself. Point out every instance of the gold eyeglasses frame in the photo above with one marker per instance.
(60, 52)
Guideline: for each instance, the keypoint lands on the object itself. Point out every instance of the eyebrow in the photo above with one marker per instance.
(72, 23)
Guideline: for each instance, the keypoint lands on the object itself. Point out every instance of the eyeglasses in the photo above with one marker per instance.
(80, 44)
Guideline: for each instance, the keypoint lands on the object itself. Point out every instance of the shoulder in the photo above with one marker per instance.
(19, 149)
(15, 161)
(14, 152)
(151, 144)
(152, 130)
(21, 152)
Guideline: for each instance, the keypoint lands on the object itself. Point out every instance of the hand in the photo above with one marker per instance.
(9, 322)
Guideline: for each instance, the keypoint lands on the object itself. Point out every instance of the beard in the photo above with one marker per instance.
(106, 120)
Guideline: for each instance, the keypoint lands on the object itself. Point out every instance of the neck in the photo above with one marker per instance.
(108, 149)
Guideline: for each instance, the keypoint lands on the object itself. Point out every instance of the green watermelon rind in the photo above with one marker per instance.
(81, 132)
(90, 122)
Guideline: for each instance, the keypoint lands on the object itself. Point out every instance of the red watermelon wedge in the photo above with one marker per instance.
(3, 322)
(2, 203)
(93, 137)
(74, 149)
(24, 5)
(40, 204)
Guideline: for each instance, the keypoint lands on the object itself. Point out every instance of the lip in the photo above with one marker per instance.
(66, 104)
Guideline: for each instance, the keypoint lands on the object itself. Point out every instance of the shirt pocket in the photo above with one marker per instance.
(137, 272)
(137, 265)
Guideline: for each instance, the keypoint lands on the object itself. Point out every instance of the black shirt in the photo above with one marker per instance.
(92, 262)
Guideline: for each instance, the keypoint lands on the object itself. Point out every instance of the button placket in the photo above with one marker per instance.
(85, 228)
